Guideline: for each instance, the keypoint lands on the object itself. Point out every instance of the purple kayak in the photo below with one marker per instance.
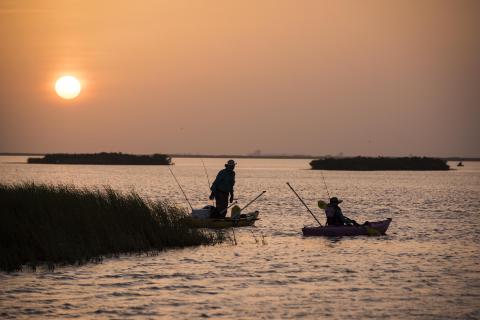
(369, 229)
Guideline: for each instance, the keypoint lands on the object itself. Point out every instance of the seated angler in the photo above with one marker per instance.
(335, 216)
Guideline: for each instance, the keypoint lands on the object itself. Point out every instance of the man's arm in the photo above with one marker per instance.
(346, 220)
(340, 216)
(233, 183)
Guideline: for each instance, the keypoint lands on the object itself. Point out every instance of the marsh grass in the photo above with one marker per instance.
(45, 224)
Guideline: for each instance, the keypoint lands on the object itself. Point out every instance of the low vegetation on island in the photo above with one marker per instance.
(380, 163)
(50, 225)
(105, 158)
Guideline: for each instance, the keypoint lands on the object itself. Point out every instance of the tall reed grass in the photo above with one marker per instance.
(46, 224)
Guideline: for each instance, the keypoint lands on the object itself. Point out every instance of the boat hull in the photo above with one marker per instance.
(246, 221)
(372, 229)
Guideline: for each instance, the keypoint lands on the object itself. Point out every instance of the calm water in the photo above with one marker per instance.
(427, 267)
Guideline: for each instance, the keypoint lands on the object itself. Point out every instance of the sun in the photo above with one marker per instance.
(68, 87)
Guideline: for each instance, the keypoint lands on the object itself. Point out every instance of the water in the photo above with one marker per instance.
(427, 267)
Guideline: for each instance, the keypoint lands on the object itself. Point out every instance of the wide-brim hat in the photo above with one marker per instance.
(335, 200)
(230, 163)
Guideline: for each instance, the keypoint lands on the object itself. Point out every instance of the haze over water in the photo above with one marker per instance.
(426, 267)
(314, 77)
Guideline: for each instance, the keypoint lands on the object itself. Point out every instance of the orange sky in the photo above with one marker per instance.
(310, 77)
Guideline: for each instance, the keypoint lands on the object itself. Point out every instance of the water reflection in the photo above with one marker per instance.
(426, 267)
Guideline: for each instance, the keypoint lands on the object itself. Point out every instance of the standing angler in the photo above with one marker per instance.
(222, 187)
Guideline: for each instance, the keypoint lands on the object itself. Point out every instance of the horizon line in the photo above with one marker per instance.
(248, 156)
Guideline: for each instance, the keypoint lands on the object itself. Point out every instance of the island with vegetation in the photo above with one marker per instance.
(380, 163)
(51, 225)
(104, 158)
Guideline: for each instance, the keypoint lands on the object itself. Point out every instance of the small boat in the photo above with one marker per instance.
(368, 229)
(460, 164)
(245, 220)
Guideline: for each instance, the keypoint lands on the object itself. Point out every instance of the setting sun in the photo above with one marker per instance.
(68, 87)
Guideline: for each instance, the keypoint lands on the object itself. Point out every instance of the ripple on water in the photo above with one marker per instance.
(425, 268)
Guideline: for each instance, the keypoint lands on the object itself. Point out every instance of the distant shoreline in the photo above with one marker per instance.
(381, 164)
(173, 155)
(103, 158)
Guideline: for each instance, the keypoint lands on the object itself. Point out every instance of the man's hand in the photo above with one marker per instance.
(212, 196)
(231, 197)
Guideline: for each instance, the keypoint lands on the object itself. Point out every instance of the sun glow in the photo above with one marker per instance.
(68, 87)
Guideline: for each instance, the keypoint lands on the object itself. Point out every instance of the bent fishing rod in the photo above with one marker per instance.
(181, 189)
(301, 200)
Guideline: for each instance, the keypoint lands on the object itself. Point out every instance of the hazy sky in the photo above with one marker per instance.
(311, 77)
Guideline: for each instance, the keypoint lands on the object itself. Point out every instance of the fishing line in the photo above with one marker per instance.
(181, 189)
(208, 179)
(328, 193)
(206, 173)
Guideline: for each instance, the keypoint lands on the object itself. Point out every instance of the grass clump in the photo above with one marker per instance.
(45, 224)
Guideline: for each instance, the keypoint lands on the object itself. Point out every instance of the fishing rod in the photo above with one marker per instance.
(301, 200)
(261, 194)
(235, 202)
(181, 189)
(328, 193)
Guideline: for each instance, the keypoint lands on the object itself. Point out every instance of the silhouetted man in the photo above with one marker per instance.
(335, 216)
(222, 187)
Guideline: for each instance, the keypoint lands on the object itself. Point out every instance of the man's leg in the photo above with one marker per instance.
(221, 203)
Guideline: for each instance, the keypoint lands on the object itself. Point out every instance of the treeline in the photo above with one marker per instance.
(106, 158)
(380, 163)
(44, 224)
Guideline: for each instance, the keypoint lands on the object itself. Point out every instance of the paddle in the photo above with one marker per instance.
(371, 231)
(322, 204)
(301, 200)
(235, 213)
